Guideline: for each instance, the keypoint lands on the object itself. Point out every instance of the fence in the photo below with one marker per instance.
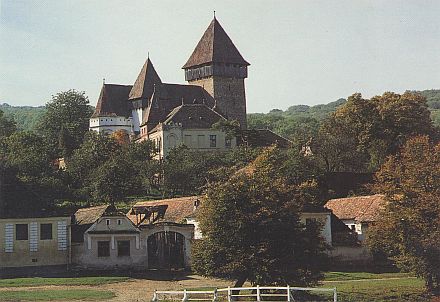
(258, 293)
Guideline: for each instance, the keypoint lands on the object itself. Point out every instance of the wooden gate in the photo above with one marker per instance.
(166, 250)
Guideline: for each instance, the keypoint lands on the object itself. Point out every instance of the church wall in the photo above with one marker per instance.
(110, 124)
(229, 94)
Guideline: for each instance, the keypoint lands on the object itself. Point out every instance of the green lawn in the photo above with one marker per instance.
(342, 276)
(400, 290)
(18, 282)
(55, 294)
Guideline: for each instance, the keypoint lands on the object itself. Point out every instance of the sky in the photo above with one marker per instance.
(301, 51)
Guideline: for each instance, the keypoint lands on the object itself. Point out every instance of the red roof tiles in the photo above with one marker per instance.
(359, 208)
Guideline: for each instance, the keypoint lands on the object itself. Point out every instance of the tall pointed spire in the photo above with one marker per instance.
(215, 46)
(144, 85)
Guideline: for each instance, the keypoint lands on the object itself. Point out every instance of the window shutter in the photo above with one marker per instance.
(33, 237)
(9, 238)
(62, 235)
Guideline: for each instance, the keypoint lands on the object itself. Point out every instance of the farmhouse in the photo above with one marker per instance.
(34, 240)
(357, 212)
(153, 234)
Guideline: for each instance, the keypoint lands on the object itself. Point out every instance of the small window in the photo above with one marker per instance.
(213, 141)
(227, 142)
(123, 248)
(46, 231)
(107, 221)
(353, 227)
(119, 221)
(310, 221)
(103, 248)
(21, 232)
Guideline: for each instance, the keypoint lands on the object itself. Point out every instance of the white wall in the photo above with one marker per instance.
(325, 220)
(110, 124)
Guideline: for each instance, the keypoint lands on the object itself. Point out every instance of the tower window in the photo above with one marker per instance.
(227, 142)
(213, 141)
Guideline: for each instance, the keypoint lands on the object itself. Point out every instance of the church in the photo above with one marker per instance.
(175, 114)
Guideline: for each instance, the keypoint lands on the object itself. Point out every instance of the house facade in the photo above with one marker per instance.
(34, 241)
(153, 235)
(358, 212)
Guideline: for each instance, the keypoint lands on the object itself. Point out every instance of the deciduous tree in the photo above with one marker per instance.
(409, 229)
(252, 231)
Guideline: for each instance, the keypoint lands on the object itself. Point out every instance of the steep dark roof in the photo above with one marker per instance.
(144, 85)
(169, 96)
(215, 46)
(194, 116)
(113, 101)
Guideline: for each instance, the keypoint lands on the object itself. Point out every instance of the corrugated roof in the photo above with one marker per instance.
(215, 46)
(359, 208)
(177, 208)
(112, 101)
(143, 87)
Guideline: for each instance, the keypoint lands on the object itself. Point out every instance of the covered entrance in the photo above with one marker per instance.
(166, 250)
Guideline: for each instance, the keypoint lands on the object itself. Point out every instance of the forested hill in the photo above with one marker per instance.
(26, 117)
(277, 120)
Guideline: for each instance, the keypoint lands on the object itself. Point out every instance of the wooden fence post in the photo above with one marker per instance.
(335, 295)
(288, 293)
(185, 296)
(229, 294)
(258, 294)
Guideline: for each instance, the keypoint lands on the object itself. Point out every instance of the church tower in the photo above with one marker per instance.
(217, 66)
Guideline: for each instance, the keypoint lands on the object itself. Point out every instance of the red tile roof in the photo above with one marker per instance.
(177, 208)
(359, 208)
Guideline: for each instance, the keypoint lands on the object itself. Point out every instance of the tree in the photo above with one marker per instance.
(409, 229)
(252, 231)
(66, 120)
(363, 132)
(7, 126)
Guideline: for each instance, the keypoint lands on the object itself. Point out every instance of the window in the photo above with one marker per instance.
(123, 248)
(119, 221)
(353, 227)
(46, 231)
(103, 248)
(21, 232)
(227, 142)
(213, 141)
(107, 221)
(310, 221)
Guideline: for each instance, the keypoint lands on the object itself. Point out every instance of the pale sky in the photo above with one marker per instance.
(301, 52)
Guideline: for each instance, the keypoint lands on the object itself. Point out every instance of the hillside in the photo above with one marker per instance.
(277, 120)
(26, 117)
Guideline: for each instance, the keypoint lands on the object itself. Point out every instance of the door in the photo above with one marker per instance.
(166, 250)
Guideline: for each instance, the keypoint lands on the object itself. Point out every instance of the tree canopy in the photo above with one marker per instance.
(66, 120)
(252, 231)
(409, 228)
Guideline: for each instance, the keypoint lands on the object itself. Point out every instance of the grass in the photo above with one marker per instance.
(344, 276)
(58, 295)
(91, 281)
(396, 290)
